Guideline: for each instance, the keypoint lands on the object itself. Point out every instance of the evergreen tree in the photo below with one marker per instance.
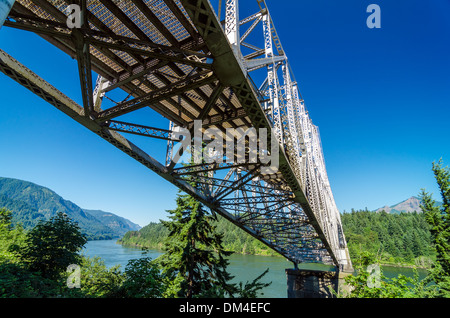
(388, 235)
(439, 219)
(142, 279)
(195, 258)
(418, 246)
(11, 237)
(408, 244)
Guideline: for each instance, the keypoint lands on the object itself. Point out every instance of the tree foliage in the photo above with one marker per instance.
(194, 256)
(11, 238)
(143, 279)
(234, 239)
(437, 283)
(53, 245)
(439, 219)
(396, 238)
(368, 283)
(34, 263)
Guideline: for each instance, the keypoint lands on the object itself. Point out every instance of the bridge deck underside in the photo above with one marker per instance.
(173, 57)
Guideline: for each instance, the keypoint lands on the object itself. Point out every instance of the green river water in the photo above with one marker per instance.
(243, 267)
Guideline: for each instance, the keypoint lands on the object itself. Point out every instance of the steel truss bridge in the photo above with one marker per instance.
(189, 61)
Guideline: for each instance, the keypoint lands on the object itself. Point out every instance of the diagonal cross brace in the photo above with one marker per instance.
(177, 88)
(238, 183)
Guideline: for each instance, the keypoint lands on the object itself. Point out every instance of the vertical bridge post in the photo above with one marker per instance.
(232, 25)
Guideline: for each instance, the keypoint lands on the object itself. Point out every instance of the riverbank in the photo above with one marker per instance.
(401, 240)
(406, 266)
(242, 267)
(159, 247)
(234, 239)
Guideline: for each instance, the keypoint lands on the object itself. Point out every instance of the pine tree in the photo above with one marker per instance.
(418, 246)
(408, 245)
(195, 258)
(439, 219)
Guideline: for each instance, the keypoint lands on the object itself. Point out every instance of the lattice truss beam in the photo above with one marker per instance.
(285, 109)
(175, 58)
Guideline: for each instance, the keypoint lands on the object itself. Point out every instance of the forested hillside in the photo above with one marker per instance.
(31, 203)
(396, 238)
(235, 239)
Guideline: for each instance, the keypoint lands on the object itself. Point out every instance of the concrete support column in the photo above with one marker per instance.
(5, 7)
(307, 283)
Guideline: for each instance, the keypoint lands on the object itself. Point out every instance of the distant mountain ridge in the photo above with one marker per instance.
(30, 203)
(114, 222)
(409, 205)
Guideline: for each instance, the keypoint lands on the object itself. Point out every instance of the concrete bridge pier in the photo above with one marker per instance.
(311, 283)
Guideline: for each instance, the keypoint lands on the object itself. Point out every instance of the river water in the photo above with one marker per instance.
(243, 267)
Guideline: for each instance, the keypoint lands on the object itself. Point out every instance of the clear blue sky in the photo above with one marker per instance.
(381, 98)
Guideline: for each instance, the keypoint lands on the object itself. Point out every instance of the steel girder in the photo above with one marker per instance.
(174, 57)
